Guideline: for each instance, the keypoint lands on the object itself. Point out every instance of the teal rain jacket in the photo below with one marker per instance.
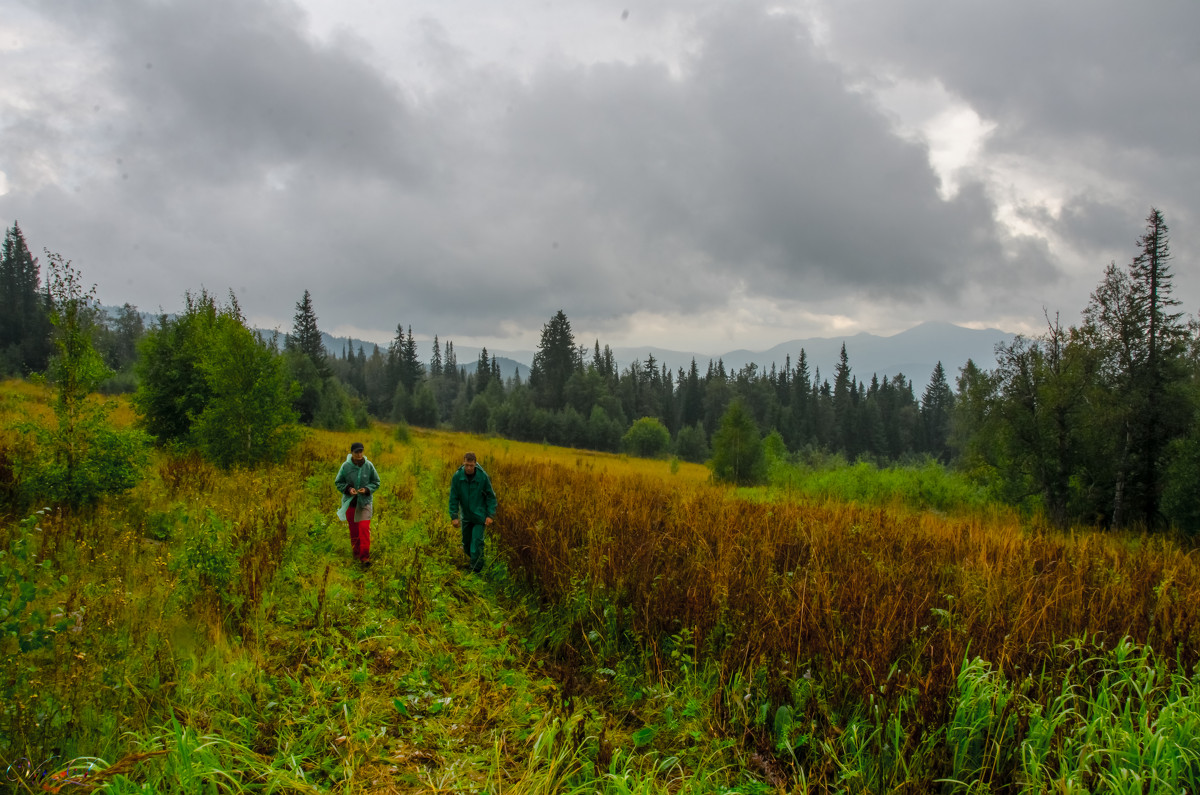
(359, 477)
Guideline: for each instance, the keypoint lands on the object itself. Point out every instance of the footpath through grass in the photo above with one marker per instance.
(211, 633)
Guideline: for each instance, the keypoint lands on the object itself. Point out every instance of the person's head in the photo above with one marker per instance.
(469, 463)
(356, 452)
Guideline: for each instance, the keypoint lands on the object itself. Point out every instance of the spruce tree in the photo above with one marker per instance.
(412, 370)
(24, 321)
(844, 418)
(306, 337)
(802, 404)
(1138, 342)
(483, 371)
(435, 363)
(937, 406)
(691, 399)
(556, 360)
(172, 389)
(206, 380)
(1164, 334)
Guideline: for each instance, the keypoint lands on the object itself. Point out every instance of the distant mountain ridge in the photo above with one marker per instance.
(914, 352)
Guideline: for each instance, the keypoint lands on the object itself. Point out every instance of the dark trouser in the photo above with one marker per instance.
(360, 535)
(472, 540)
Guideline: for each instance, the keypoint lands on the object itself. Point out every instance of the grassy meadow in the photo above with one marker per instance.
(637, 630)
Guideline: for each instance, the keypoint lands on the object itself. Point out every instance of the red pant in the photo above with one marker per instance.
(360, 535)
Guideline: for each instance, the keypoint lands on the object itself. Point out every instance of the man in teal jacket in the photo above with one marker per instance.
(472, 507)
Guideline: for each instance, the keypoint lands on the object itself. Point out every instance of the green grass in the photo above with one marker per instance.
(185, 676)
(924, 486)
(1121, 720)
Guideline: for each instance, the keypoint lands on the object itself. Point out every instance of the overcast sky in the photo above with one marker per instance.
(690, 174)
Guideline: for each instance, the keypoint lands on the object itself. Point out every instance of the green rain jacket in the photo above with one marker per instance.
(474, 497)
(359, 477)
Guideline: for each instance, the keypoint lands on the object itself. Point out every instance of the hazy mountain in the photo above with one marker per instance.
(914, 353)
(337, 346)
(508, 367)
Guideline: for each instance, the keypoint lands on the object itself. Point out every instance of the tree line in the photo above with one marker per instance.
(1091, 423)
(580, 397)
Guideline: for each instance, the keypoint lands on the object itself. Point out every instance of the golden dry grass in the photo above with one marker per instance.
(496, 452)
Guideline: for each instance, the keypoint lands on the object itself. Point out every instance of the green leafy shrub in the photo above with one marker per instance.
(647, 438)
(29, 626)
(334, 407)
(738, 449)
(24, 582)
(249, 417)
(207, 564)
(82, 457)
(208, 381)
(691, 444)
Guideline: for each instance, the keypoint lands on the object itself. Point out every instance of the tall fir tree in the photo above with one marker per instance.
(306, 336)
(1151, 274)
(412, 370)
(691, 399)
(25, 328)
(435, 362)
(843, 406)
(483, 370)
(1139, 345)
(556, 360)
(937, 407)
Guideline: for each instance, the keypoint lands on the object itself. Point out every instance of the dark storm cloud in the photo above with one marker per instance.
(235, 150)
(1106, 87)
(225, 89)
(1126, 72)
(1103, 227)
(818, 184)
(759, 164)
(216, 144)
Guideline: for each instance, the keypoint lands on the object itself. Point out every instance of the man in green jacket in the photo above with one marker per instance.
(356, 481)
(472, 507)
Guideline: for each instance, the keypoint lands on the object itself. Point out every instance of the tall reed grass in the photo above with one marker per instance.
(880, 606)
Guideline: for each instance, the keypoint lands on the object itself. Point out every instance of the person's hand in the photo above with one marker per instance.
(487, 522)
(454, 522)
(362, 491)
